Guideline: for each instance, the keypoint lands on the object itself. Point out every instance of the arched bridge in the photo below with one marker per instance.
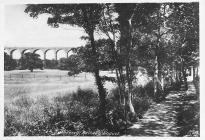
(22, 50)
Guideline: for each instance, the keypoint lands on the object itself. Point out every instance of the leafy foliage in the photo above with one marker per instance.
(73, 63)
(82, 15)
(31, 61)
(51, 64)
(9, 63)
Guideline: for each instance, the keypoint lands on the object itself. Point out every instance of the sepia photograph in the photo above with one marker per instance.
(101, 69)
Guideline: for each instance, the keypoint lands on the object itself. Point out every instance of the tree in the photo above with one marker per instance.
(173, 34)
(86, 16)
(9, 63)
(84, 53)
(31, 61)
(51, 64)
(131, 18)
(185, 24)
(154, 39)
(126, 12)
(118, 24)
(72, 63)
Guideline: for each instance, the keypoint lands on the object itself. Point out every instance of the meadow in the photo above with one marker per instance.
(50, 83)
(49, 102)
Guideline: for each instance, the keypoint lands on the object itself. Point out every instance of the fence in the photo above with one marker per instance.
(37, 76)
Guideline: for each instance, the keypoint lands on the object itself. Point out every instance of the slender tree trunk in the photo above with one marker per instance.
(174, 76)
(101, 89)
(127, 61)
(132, 110)
(124, 19)
(118, 73)
(128, 66)
(162, 83)
(184, 75)
(197, 72)
(193, 73)
(155, 76)
(177, 74)
(157, 67)
(119, 86)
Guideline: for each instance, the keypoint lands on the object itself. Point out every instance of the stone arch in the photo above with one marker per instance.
(60, 53)
(25, 51)
(7, 51)
(51, 55)
(40, 52)
(69, 53)
(15, 54)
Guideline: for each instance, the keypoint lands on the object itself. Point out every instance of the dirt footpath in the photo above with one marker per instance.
(178, 115)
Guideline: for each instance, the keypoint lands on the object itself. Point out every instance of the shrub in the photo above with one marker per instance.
(116, 121)
(86, 97)
(141, 104)
(114, 95)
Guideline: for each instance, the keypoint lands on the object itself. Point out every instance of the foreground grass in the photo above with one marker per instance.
(68, 115)
(42, 116)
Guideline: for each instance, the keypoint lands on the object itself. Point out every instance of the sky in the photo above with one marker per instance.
(20, 30)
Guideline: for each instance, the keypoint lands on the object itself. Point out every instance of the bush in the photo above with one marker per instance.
(86, 97)
(116, 121)
(9, 63)
(141, 104)
(116, 111)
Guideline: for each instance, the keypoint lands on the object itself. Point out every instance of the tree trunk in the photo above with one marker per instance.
(119, 75)
(155, 76)
(124, 19)
(101, 89)
(197, 72)
(174, 73)
(129, 82)
(157, 67)
(31, 69)
(177, 74)
(162, 83)
(184, 75)
(128, 39)
(193, 73)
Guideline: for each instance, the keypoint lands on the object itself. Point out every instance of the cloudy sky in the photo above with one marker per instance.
(20, 30)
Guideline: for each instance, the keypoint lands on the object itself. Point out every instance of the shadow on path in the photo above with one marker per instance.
(175, 116)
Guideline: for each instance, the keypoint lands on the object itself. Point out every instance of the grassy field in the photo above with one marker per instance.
(51, 83)
(50, 103)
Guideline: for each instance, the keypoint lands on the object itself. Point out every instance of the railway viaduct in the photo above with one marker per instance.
(22, 50)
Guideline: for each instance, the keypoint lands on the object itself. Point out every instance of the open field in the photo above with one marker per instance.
(47, 82)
